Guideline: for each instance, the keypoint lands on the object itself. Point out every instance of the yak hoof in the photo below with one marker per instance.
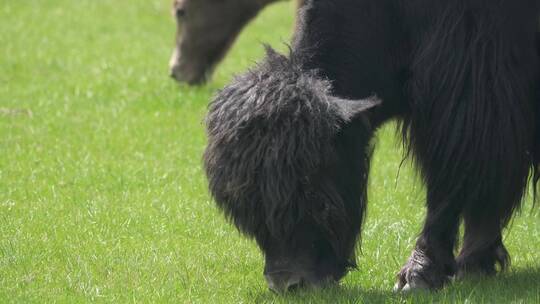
(420, 273)
(484, 264)
(412, 283)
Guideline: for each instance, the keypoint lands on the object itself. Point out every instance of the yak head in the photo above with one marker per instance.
(205, 31)
(287, 163)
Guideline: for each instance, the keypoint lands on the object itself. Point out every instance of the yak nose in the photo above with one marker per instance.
(174, 73)
(175, 77)
(283, 281)
(186, 77)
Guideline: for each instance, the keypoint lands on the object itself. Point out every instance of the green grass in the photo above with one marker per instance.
(102, 196)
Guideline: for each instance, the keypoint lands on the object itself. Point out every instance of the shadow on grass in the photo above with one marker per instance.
(521, 286)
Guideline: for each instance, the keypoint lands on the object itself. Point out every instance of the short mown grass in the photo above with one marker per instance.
(102, 195)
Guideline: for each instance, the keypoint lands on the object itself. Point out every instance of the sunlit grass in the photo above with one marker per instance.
(102, 196)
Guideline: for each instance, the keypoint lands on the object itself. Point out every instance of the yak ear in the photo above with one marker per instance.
(351, 109)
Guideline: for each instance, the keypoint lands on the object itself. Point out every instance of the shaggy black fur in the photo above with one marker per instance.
(288, 153)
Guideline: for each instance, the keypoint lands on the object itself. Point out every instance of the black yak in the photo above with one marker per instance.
(205, 31)
(289, 141)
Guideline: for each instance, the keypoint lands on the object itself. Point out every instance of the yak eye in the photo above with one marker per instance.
(180, 13)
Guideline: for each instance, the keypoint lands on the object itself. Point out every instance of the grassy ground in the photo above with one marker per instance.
(102, 197)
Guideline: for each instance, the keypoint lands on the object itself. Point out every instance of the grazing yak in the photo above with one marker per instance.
(205, 31)
(290, 140)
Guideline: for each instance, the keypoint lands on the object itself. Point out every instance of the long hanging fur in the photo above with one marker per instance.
(471, 126)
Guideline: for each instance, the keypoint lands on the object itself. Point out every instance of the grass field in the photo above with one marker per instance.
(102, 196)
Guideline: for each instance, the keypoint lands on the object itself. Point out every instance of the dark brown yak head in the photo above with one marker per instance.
(205, 31)
(286, 162)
